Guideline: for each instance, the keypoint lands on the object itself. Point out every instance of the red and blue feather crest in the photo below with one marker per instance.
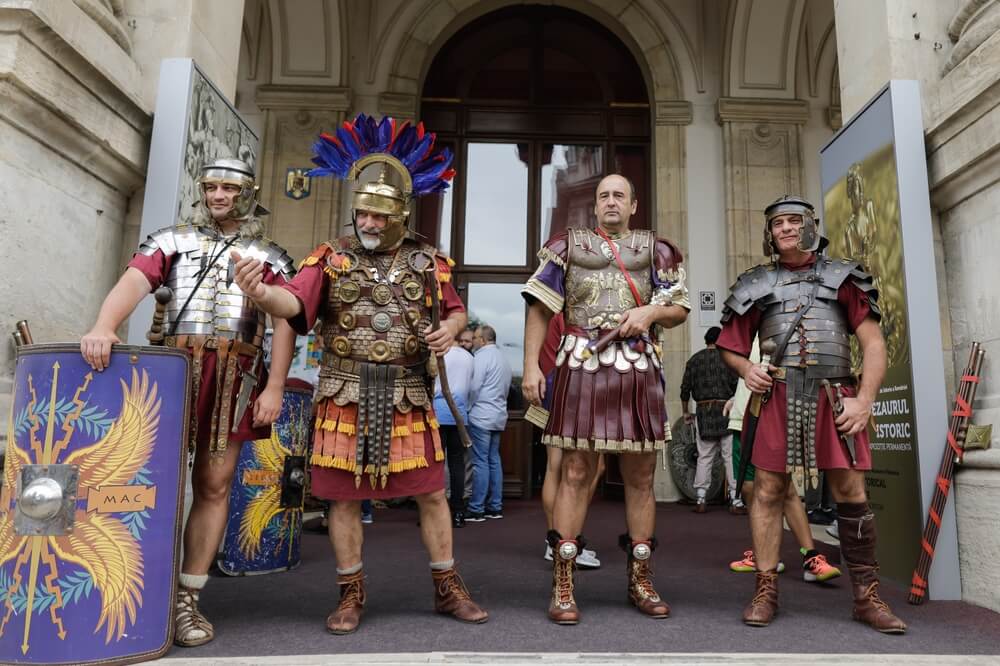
(335, 154)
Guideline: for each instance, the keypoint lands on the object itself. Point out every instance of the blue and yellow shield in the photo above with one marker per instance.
(91, 506)
(264, 530)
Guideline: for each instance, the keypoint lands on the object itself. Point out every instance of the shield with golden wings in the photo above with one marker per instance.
(263, 533)
(91, 505)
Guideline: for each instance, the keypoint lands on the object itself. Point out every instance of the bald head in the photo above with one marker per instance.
(615, 203)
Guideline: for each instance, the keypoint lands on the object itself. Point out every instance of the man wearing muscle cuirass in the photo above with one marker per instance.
(203, 311)
(388, 307)
(616, 287)
(811, 413)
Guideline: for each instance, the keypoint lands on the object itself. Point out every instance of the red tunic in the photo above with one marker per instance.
(156, 267)
(310, 286)
(770, 442)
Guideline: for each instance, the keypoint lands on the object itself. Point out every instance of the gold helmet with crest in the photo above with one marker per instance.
(405, 149)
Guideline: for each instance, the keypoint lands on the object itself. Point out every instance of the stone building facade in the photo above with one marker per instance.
(741, 95)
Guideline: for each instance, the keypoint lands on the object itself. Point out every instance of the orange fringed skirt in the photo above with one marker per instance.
(416, 459)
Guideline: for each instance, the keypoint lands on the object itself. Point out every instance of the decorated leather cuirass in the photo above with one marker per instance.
(376, 312)
(205, 298)
(597, 292)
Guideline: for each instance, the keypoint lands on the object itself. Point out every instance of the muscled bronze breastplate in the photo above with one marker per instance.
(597, 293)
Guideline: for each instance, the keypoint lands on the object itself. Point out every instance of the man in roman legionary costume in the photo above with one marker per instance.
(376, 291)
(617, 287)
(805, 307)
(202, 310)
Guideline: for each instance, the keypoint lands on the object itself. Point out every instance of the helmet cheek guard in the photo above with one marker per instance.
(383, 198)
(228, 171)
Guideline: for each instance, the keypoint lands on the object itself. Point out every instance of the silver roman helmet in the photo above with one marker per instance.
(230, 171)
(810, 239)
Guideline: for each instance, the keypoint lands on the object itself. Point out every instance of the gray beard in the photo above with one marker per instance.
(370, 242)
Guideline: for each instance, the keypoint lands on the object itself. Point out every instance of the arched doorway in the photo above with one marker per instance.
(538, 103)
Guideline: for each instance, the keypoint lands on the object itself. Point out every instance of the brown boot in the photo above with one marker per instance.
(641, 593)
(347, 617)
(764, 605)
(562, 608)
(451, 597)
(869, 607)
(856, 527)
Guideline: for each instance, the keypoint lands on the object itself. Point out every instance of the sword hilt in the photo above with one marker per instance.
(163, 296)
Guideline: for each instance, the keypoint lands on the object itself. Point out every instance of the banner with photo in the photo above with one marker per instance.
(876, 209)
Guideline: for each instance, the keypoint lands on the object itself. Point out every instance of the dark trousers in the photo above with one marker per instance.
(455, 456)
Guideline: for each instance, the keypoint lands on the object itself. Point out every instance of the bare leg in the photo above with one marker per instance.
(847, 485)
(346, 537)
(640, 503)
(435, 525)
(798, 522)
(211, 481)
(747, 493)
(765, 517)
(572, 497)
(550, 485)
(597, 477)
(345, 532)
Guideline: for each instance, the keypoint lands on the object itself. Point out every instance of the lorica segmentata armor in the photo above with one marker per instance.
(802, 308)
(206, 300)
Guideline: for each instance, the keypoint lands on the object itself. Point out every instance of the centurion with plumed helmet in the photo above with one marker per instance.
(387, 306)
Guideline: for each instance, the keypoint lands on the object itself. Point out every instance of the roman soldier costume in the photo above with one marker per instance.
(376, 435)
(201, 309)
(809, 312)
(608, 392)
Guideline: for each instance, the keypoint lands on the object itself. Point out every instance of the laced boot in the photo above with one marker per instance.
(451, 597)
(346, 618)
(868, 605)
(562, 608)
(857, 545)
(190, 626)
(641, 592)
(764, 605)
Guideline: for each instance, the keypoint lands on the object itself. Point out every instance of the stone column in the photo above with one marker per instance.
(961, 118)
(953, 49)
(73, 147)
(671, 119)
(763, 160)
(892, 39)
(294, 117)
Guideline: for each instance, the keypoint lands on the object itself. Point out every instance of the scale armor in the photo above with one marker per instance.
(367, 322)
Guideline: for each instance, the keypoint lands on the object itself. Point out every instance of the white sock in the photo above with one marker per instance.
(443, 566)
(349, 570)
(193, 581)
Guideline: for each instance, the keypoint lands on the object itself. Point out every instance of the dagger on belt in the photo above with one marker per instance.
(837, 404)
(248, 381)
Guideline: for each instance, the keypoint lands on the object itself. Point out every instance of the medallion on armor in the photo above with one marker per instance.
(377, 322)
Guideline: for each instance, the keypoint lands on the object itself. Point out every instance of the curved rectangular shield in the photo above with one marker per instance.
(91, 505)
(263, 533)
